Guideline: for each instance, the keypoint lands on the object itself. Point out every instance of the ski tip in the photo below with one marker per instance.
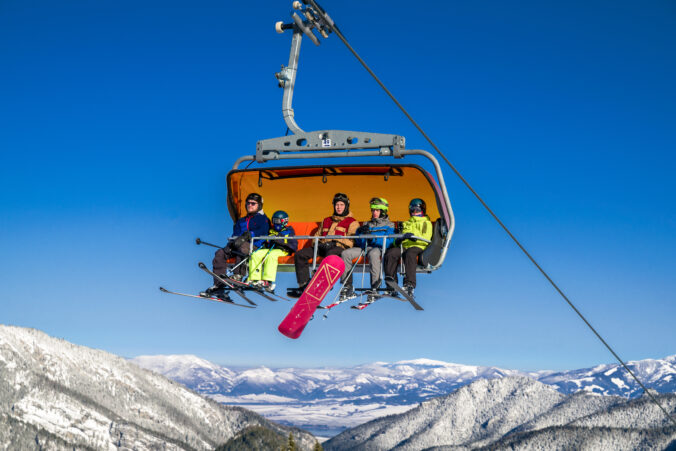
(201, 265)
(164, 290)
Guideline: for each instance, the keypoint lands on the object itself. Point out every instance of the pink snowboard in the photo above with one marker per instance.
(327, 275)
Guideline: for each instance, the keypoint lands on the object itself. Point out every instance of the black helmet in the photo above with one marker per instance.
(256, 197)
(416, 204)
(340, 197)
(280, 219)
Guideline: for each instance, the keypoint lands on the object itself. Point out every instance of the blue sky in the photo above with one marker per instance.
(119, 121)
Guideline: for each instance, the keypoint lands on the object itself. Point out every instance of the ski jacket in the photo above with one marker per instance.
(290, 246)
(339, 225)
(258, 224)
(376, 226)
(419, 226)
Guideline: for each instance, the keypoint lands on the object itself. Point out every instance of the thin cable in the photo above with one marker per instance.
(338, 33)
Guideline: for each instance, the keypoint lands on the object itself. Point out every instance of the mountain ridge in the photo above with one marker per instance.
(517, 412)
(328, 400)
(54, 392)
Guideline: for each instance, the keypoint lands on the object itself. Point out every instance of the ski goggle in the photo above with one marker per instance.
(251, 202)
(415, 208)
(279, 223)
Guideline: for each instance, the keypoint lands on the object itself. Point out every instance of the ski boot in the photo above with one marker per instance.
(295, 292)
(216, 291)
(370, 299)
(409, 289)
(264, 285)
(347, 293)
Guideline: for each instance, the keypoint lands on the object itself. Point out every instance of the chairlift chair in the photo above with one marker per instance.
(305, 192)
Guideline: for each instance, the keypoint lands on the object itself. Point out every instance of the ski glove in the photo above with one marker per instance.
(363, 230)
(243, 238)
(409, 236)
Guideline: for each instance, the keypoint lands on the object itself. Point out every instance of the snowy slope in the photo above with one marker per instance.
(56, 395)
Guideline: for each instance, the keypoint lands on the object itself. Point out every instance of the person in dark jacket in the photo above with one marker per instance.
(340, 223)
(255, 223)
(264, 261)
(379, 224)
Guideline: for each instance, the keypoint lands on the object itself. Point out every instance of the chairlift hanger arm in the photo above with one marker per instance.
(286, 77)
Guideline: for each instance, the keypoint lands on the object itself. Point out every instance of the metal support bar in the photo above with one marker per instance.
(287, 79)
(325, 140)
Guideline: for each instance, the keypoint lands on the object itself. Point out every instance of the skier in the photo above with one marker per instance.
(340, 223)
(263, 262)
(379, 224)
(255, 223)
(419, 224)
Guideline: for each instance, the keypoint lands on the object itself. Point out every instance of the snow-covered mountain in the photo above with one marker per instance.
(658, 375)
(518, 413)
(327, 400)
(56, 395)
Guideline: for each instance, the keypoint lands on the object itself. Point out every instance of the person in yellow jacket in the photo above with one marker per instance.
(420, 225)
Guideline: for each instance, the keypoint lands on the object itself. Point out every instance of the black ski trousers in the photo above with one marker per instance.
(220, 262)
(302, 261)
(410, 263)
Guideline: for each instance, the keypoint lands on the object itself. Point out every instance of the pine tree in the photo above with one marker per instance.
(317, 447)
(291, 445)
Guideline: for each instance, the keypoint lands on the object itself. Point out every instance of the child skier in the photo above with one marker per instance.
(263, 262)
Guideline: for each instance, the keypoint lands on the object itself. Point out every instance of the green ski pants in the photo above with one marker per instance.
(268, 270)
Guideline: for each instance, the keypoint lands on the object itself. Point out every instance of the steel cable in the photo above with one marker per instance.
(340, 35)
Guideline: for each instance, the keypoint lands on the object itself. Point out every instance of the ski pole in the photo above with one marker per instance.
(237, 265)
(198, 241)
(330, 306)
(363, 272)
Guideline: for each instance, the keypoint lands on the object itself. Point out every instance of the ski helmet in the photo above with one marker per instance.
(280, 219)
(417, 205)
(340, 197)
(380, 203)
(256, 198)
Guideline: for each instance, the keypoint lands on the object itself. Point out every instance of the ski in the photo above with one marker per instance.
(401, 291)
(330, 306)
(230, 286)
(164, 290)
(370, 299)
(266, 294)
